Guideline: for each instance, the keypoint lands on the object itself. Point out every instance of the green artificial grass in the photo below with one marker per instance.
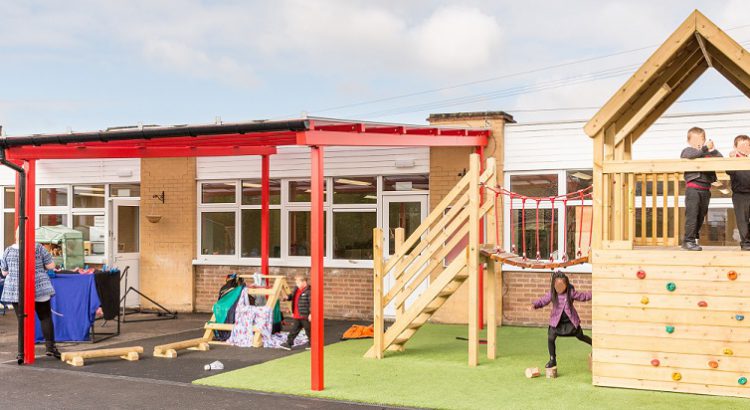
(433, 373)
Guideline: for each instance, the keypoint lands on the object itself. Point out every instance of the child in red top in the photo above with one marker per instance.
(300, 298)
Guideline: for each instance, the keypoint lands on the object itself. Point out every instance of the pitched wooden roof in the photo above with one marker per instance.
(696, 45)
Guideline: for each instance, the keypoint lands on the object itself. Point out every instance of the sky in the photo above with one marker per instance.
(82, 65)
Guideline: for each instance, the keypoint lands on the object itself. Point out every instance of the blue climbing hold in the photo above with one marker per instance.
(670, 329)
(739, 317)
(671, 286)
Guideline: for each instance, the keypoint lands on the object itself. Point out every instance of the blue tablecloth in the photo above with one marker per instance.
(73, 308)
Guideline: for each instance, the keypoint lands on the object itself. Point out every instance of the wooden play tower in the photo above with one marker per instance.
(663, 318)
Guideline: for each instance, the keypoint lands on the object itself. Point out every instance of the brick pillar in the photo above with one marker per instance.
(168, 247)
(447, 165)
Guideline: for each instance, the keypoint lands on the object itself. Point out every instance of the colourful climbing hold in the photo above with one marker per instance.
(641, 274)
(742, 380)
(671, 286)
(739, 317)
(702, 303)
(670, 329)
(655, 363)
(644, 300)
(728, 352)
(713, 364)
(732, 275)
(676, 376)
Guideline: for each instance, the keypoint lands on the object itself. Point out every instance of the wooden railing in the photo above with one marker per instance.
(649, 191)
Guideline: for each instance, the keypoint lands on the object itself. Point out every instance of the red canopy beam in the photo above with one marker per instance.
(265, 213)
(30, 271)
(80, 152)
(317, 244)
(330, 138)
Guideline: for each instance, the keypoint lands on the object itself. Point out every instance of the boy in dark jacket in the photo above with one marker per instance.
(300, 298)
(698, 186)
(741, 191)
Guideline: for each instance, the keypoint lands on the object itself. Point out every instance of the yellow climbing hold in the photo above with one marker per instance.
(728, 352)
(676, 376)
(644, 300)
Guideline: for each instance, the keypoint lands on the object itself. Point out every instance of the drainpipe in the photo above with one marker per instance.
(21, 249)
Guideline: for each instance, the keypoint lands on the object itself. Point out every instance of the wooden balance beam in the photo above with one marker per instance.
(169, 350)
(127, 353)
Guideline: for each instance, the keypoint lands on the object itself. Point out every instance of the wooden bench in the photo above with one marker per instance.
(77, 358)
(169, 350)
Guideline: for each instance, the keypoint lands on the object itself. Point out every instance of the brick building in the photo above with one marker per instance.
(208, 209)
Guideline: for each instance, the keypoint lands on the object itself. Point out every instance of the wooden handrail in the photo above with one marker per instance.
(675, 165)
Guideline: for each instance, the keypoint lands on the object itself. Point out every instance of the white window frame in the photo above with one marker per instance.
(517, 204)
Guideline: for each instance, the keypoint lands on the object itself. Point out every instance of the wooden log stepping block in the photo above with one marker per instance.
(551, 372)
(169, 350)
(532, 372)
(126, 353)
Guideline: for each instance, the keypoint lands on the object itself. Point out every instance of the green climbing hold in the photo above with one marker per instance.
(670, 329)
(742, 380)
(671, 286)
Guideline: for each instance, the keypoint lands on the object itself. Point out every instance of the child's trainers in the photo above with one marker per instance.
(285, 346)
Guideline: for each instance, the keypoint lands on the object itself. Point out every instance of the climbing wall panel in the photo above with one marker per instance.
(672, 320)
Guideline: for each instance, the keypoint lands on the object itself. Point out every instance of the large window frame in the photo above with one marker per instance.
(69, 212)
(285, 207)
(559, 209)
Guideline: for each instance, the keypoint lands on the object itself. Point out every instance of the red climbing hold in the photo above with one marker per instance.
(702, 303)
(641, 274)
(655, 363)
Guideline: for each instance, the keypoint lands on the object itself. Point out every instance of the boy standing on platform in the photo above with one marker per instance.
(698, 186)
(741, 191)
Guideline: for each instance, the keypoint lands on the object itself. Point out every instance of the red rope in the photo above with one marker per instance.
(512, 227)
(565, 230)
(497, 224)
(523, 226)
(538, 250)
(552, 232)
(580, 229)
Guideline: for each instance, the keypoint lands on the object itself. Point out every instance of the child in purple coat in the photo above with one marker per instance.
(563, 319)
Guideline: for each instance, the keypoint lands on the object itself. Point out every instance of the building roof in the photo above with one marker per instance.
(695, 46)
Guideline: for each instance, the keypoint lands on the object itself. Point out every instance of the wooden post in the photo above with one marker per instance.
(399, 234)
(377, 291)
(473, 260)
(644, 184)
(665, 211)
(631, 208)
(676, 226)
(654, 212)
(596, 195)
(490, 283)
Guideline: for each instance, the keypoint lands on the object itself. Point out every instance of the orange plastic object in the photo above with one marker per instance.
(713, 364)
(732, 275)
(702, 303)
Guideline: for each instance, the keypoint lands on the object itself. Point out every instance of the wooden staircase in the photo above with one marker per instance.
(422, 256)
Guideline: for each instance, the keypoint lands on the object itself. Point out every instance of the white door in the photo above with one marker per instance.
(401, 211)
(125, 243)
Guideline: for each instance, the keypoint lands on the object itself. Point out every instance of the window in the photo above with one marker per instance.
(53, 196)
(251, 192)
(218, 193)
(525, 232)
(53, 219)
(577, 180)
(124, 190)
(534, 185)
(88, 196)
(251, 235)
(217, 233)
(9, 231)
(94, 233)
(355, 190)
(9, 197)
(419, 182)
(352, 234)
(299, 233)
(299, 191)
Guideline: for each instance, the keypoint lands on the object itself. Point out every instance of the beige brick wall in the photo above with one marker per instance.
(168, 247)
(445, 165)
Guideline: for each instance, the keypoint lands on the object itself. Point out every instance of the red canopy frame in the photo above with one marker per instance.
(250, 138)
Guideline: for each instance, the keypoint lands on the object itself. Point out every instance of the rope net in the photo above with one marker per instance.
(532, 253)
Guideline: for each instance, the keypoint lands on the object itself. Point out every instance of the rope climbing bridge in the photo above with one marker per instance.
(454, 227)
